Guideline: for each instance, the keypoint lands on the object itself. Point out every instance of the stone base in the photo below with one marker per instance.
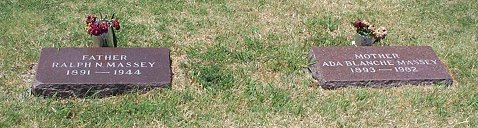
(89, 90)
(381, 83)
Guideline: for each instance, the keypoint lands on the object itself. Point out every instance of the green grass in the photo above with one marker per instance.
(241, 63)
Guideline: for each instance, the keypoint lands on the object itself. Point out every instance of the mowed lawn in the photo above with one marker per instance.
(243, 63)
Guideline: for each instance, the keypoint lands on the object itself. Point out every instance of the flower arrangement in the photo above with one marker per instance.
(366, 29)
(103, 29)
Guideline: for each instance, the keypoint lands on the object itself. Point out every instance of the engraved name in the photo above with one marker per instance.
(99, 62)
(103, 64)
(366, 63)
(103, 61)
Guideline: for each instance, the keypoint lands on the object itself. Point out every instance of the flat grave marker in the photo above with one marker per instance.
(336, 67)
(80, 72)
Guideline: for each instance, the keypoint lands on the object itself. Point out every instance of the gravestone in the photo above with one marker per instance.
(336, 67)
(80, 72)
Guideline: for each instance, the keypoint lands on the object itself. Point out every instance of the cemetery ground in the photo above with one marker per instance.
(243, 63)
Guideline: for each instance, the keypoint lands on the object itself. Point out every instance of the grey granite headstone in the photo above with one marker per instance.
(336, 67)
(80, 72)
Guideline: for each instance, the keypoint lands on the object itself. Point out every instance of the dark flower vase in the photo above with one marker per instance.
(107, 39)
(363, 40)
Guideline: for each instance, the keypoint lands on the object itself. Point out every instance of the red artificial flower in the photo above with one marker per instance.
(90, 19)
(97, 27)
(94, 29)
(103, 27)
(359, 24)
(116, 24)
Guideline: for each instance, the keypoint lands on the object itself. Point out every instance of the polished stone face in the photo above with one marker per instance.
(377, 66)
(103, 66)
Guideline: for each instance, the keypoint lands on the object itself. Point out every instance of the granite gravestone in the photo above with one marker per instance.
(336, 67)
(80, 72)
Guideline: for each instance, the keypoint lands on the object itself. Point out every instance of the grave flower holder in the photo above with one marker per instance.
(102, 31)
(107, 39)
(367, 34)
(364, 40)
